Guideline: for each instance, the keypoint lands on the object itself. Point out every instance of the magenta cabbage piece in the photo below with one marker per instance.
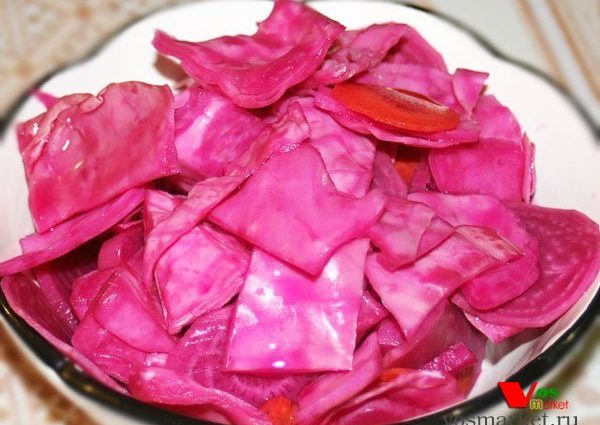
(45, 98)
(333, 389)
(495, 333)
(370, 313)
(86, 288)
(443, 328)
(200, 355)
(109, 353)
(40, 248)
(123, 302)
(491, 167)
(200, 272)
(493, 287)
(414, 49)
(324, 310)
(201, 199)
(70, 166)
(399, 231)
(412, 292)
(211, 133)
(285, 132)
(123, 248)
(28, 131)
(158, 205)
(166, 387)
(467, 86)
(27, 301)
(348, 156)
(292, 229)
(500, 164)
(466, 132)
(57, 278)
(389, 334)
(255, 71)
(569, 243)
(455, 359)
(411, 393)
(385, 176)
(357, 51)
(496, 120)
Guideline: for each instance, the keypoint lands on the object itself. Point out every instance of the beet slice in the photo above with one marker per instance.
(200, 354)
(167, 387)
(497, 286)
(569, 256)
(412, 292)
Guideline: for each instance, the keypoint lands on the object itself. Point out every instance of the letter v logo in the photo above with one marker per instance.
(514, 394)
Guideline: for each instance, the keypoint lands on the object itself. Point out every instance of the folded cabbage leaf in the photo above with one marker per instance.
(410, 393)
(334, 388)
(412, 292)
(124, 248)
(497, 286)
(357, 51)
(27, 300)
(122, 307)
(569, 258)
(495, 333)
(107, 352)
(214, 137)
(166, 387)
(211, 132)
(86, 288)
(348, 156)
(201, 199)
(399, 231)
(255, 71)
(39, 248)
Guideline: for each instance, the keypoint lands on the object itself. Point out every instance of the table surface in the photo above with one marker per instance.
(558, 37)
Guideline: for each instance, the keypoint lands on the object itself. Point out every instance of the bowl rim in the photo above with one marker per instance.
(78, 381)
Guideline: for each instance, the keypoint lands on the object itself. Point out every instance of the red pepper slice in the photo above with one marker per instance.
(280, 410)
(397, 108)
(389, 374)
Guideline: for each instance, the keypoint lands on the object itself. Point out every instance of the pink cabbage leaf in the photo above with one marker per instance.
(497, 286)
(321, 312)
(40, 248)
(292, 229)
(255, 71)
(70, 166)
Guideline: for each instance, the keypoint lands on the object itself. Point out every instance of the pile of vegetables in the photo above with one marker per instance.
(319, 226)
